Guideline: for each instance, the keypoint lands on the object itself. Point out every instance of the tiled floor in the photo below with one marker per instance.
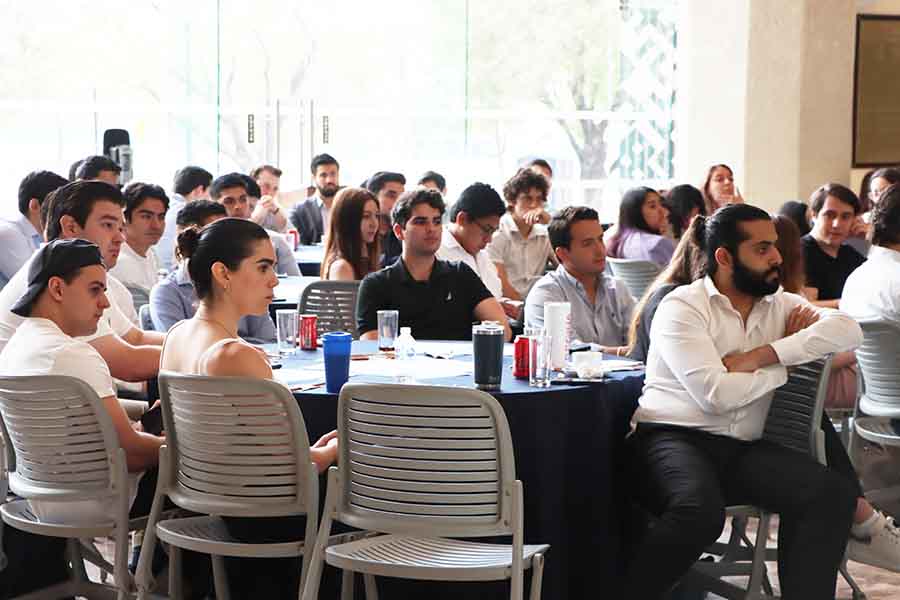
(877, 584)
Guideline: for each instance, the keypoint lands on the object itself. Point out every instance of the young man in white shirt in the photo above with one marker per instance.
(268, 212)
(474, 218)
(191, 183)
(63, 302)
(719, 348)
(92, 210)
(521, 247)
(145, 221)
(872, 291)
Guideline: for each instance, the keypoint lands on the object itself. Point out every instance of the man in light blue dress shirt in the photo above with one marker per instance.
(20, 237)
(601, 304)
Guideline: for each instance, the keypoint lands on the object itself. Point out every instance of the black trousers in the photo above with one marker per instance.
(687, 477)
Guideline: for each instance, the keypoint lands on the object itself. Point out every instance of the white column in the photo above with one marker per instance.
(774, 101)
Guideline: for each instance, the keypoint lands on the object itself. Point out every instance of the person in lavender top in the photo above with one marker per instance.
(639, 233)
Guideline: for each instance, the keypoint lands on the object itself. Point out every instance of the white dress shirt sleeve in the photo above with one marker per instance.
(680, 334)
(833, 332)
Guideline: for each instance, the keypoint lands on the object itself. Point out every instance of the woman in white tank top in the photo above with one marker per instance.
(232, 266)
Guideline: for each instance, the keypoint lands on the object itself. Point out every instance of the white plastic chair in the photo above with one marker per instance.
(66, 450)
(334, 303)
(879, 365)
(6, 459)
(236, 447)
(422, 464)
(636, 274)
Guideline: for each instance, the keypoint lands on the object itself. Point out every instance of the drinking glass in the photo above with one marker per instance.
(388, 323)
(538, 356)
(288, 324)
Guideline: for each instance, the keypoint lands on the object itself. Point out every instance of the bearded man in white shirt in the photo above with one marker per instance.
(719, 348)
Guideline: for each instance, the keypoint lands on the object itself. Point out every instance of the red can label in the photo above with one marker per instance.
(295, 237)
(308, 332)
(521, 355)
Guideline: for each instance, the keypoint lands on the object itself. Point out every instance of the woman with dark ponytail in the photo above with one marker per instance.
(231, 263)
(687, 265)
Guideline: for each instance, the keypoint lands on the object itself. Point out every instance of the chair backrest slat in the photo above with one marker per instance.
(334, 303)
(63, 439)
(428, 487)
(484, 443)
(237, 446)
(794, 418)
(448, 468)
(879, 362)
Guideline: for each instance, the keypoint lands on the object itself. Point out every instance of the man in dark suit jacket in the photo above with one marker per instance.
(307, 218)
(310, 217)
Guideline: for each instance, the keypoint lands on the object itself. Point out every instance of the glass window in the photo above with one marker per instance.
(472, 90)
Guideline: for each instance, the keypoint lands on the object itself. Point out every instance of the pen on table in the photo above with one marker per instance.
(304, 388)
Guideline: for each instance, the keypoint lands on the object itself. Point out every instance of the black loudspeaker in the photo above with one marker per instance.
(117, 146)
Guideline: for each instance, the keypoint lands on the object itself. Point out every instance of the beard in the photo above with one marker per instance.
(327, 191)
(755, 283)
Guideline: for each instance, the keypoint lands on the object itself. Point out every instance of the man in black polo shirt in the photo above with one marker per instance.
(829, 260)
(438, 299)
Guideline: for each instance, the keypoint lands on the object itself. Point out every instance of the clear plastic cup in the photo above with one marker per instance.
(288, 324)
(539, 356)
(388, 324)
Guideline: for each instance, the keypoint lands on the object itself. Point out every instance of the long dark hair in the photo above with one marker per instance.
(228, 241)
(681, 201)
(344, 239)
(630, 217)
(688, 264)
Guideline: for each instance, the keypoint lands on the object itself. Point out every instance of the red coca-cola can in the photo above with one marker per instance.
(295, 238)
(521, 355)
(308, 332)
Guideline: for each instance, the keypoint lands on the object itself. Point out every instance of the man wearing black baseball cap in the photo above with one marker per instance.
(93, 211)
(64, 300)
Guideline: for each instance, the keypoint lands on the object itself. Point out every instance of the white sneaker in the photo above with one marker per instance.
(881, 548)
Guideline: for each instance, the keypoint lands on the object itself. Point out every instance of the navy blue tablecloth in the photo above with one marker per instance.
(568, 441)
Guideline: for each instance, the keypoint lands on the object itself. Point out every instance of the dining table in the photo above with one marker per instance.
(568, 443)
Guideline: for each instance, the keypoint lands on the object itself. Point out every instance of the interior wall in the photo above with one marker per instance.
(711, 56)
(767, 88)
(870, 7)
